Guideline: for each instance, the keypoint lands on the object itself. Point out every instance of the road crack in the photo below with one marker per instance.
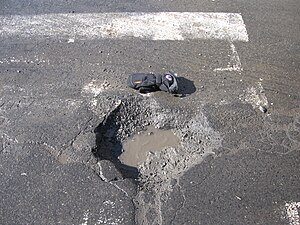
(103, 178)
(182, 205)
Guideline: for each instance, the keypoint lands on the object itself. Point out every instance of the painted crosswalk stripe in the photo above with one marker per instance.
(152, 26)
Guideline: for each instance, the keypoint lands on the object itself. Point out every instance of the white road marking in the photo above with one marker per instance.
(235, 62)
(153, 26)
(292, 212)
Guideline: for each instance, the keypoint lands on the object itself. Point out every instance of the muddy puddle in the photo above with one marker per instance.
(136, 149)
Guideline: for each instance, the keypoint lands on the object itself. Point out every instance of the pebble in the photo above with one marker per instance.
(263, 109)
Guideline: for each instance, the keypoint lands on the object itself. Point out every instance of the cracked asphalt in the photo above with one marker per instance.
(239, 163)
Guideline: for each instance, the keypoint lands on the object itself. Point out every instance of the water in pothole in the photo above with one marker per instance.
(136, 149)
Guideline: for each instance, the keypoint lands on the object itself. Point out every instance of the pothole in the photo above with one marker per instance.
(149, 158)
(137, 148)
(157, 169)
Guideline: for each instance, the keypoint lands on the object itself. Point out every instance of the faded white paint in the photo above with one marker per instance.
(20, 59)
(73, 104)
(110, 203)
(95, 88)
(292, 212)
(107, 214)
(234, 63)
(85, 217)
(8, 138)
(255, 96)
(154, 26)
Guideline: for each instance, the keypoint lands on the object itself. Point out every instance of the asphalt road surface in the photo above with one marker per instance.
(65, 110)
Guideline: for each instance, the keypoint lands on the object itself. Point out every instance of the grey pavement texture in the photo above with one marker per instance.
(237, 164)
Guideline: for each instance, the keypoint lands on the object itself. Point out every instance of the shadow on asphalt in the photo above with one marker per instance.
(109, 147)
(185, 87)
